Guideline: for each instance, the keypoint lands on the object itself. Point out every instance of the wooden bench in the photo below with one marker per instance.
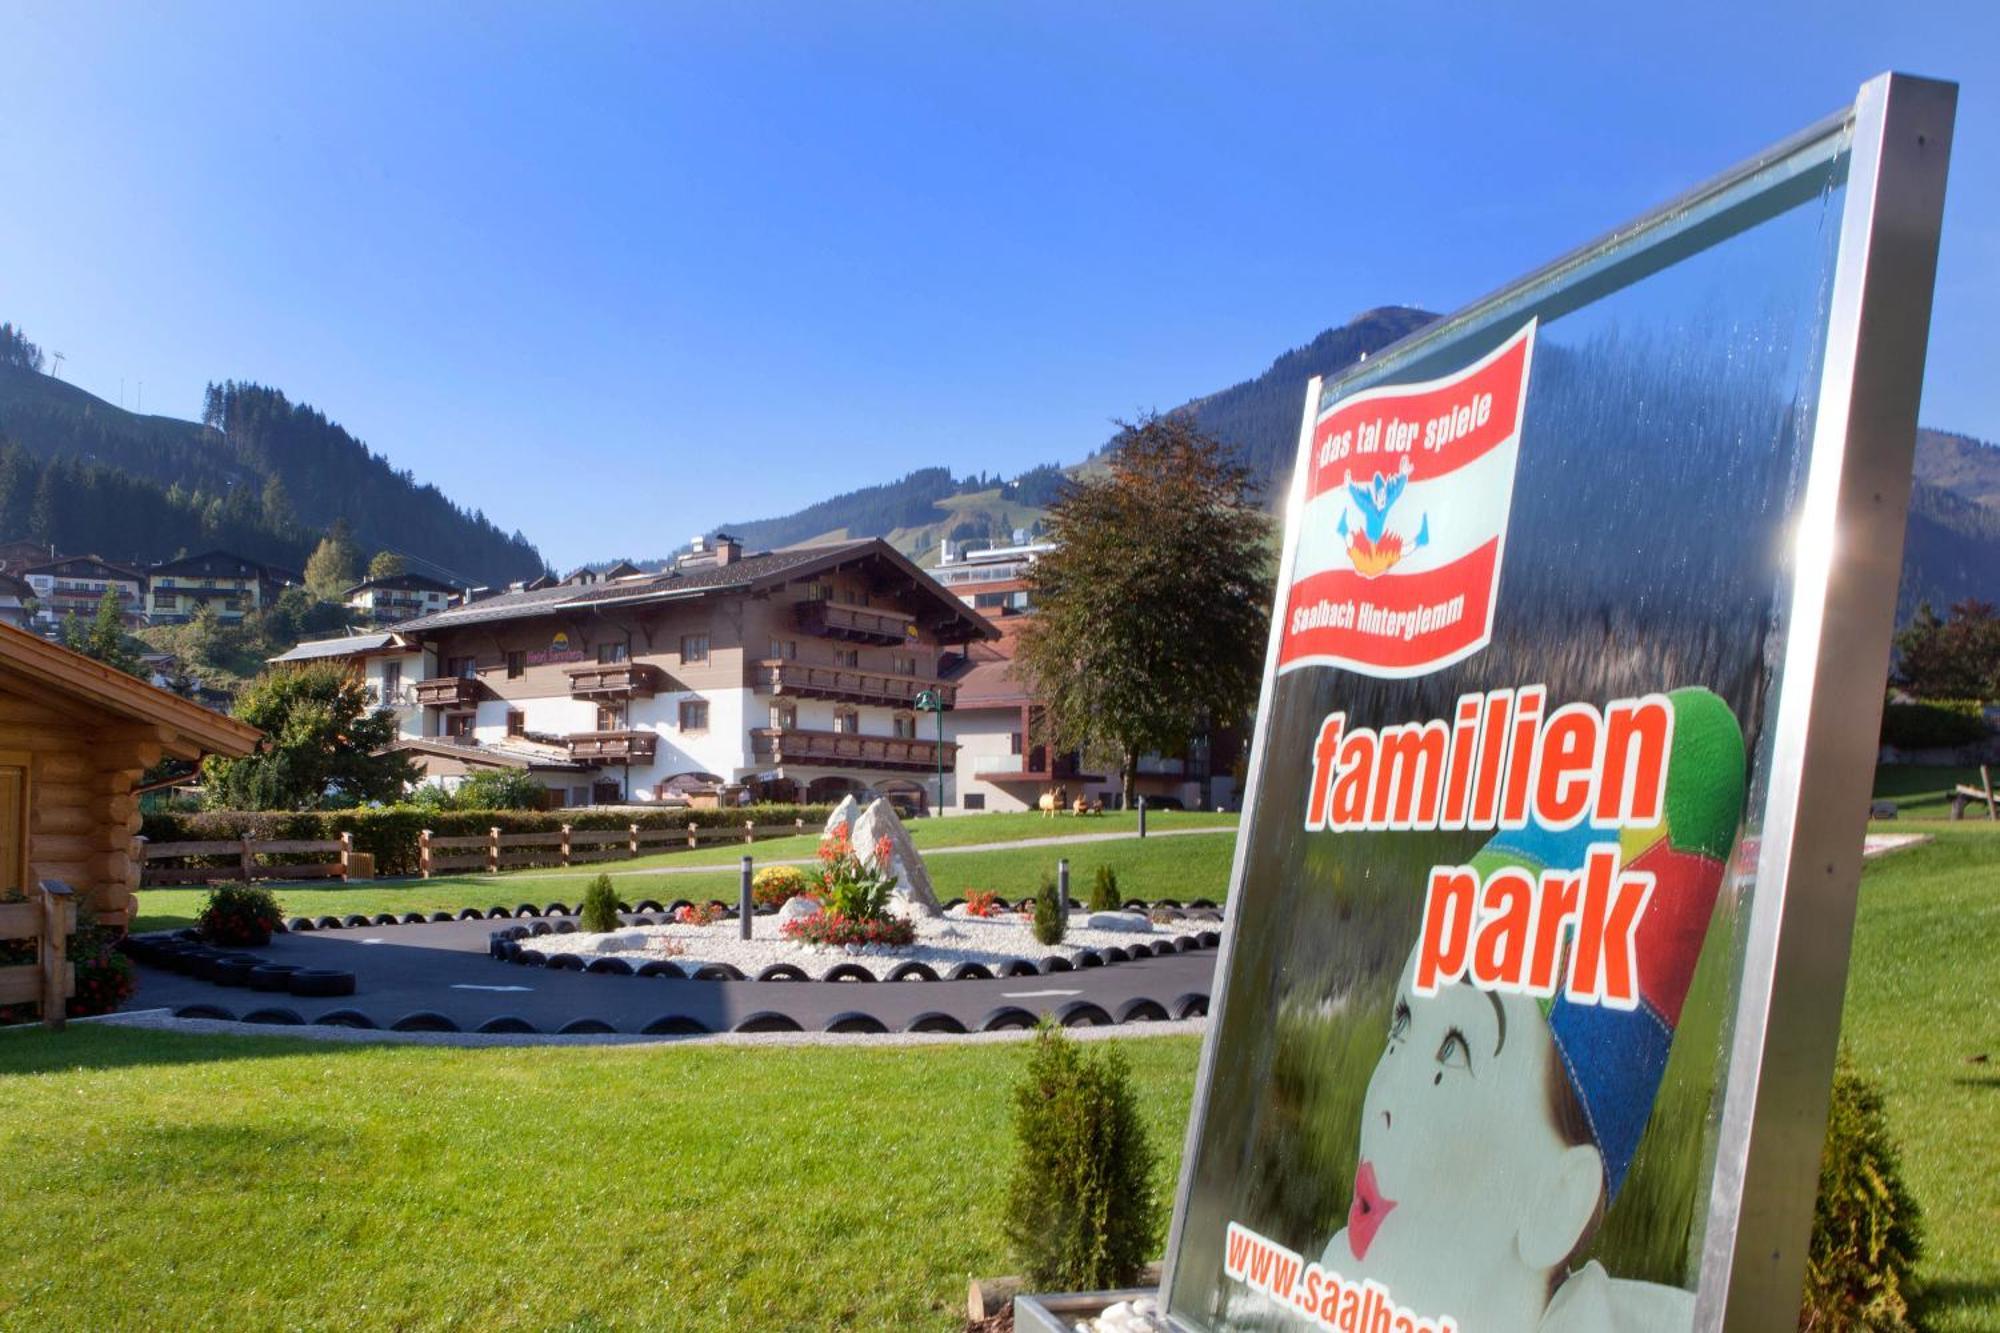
(1963, 795)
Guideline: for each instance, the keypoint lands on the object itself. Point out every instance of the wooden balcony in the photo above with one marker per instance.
(614, 747)
(791, 745)
(796, 680)
(613, 680)
(456, 693)
(856, 624)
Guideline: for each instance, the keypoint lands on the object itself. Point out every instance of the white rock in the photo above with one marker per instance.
(913, 881)
(1136, 922)
(622, 942)
(843, 816)
(798, 908)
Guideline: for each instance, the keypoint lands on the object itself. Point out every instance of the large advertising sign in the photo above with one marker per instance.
(1577, 656)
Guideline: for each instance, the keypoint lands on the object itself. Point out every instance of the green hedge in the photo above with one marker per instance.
(1933, 724)
(390, 832)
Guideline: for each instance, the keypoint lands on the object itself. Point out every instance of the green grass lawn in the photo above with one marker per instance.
(1183, 868)
(1922, 792)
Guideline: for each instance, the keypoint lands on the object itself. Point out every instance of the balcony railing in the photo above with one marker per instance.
(456, 692)
(617, 747)
(800, 681)
(790, 745)
(613, 680)
(1035, 766)
(856, 624)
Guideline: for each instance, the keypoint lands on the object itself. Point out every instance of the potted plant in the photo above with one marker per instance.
(243, 915)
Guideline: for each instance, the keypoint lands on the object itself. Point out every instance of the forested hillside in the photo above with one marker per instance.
(258, 473)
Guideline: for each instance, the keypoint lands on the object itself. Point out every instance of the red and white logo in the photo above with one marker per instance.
(1399, 542)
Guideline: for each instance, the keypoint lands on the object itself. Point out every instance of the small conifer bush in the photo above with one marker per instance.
(599, 912)
(1051, 922)
(1867, 1232)
(1104, 891)
(1082, 1213)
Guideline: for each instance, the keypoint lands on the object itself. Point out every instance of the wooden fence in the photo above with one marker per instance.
(437, 854)
(49, 917)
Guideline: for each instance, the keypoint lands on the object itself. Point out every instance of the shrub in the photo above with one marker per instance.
(1867, 1232)
(1081, 1210)
(1051, 922)
(242, 914)
(599, 912)
(981, 902)
(698, 914)
(831, 928)
(104, 977)
(1104, 891)
(848, 888)
(1933, 724)
(775, 886)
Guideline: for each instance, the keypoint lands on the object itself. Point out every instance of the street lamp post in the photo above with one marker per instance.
(932, 701)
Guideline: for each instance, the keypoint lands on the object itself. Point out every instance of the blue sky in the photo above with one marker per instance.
(616, 273)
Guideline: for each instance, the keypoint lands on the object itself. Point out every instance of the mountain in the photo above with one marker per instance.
(1951, 550)
(259, 474)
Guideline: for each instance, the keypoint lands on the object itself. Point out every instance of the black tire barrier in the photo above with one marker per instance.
(384, 919)
(1007, 1017)
(564, 962)
(1088, 958)
(1001, 904)
(950, 903)
(1142, 1010)
(1116, 954)
(299, 923)
(970, 972)
(1134, 952)
(675, 906)
(721, 906)
(783, 972)
(848, 972)
(424, 1020)
(211, 968)
(314, 983)
(676, 1025)
(1055, 963)
(1171, 904)
(1134, 905)
(610, 967)
(507, 1023)
(330, 923)
(531, 958)
(281, 929)
(769, 1020)
(641, 920)
(356, 921)
(659, 967)
(1200, 905)
(205, 1011)
(1209, 939)
(912, 971)
(346, 1018)
(718, 972)
(273, 976)
(626, 907)
(649, 905)
(1083, 1014)
(496, 946)
(277, 1017)
(1019, 967)
(565, 927)
(578, 1027)
(933, 1021)
(1186, 943)
(435, 918)
(497, 913)
(1191, 1005)
(527, 909)
(541, 928)
(853, 1020)
(556, 909)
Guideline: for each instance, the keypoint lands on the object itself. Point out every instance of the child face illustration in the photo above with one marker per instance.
(1466, 1193)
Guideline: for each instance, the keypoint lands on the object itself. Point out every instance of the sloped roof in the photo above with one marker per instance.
(55, 675)
(403, 583)
(222, 564)
(346, 646)
(750, 572)
(495, 754)
(62, 565)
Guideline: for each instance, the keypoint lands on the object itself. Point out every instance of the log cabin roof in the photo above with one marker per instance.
(69, 681)
(751, 573)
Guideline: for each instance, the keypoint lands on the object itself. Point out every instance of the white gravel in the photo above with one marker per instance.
(941, 942)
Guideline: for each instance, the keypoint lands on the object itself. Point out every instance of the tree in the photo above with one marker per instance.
(16, 350)
(1951, 658)
(386, 565)
(332, 568)
(104, 640)
(322, 748)
(1152, 611)
(212, 641)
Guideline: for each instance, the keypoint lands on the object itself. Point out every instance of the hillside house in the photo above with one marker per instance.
(77, 583)
(399, 597)
(233, 585)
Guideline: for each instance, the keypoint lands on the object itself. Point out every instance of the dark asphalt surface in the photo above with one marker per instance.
(444, 968)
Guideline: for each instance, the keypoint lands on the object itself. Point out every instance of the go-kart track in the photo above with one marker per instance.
(460, 975)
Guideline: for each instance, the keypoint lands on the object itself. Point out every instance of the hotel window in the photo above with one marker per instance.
(784, 717)
(517, 663)
(846, 721)
(610, 653)
(906, 727)
(975, 800)
(905, 665)
(694, 648)
(458, 726)
(392, 683)
(517, 722)
(847, 657)
(785, 650)
(611, 717)
(1014, 743)
(465, 668)
(694, 715)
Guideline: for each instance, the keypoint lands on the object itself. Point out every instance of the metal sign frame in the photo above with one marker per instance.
(1847, 561)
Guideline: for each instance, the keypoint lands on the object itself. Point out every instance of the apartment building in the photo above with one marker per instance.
(77, 583)
(233, 585)
(787, 675)
(400, 597)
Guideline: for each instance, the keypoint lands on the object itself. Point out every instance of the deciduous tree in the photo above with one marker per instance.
(322, 738)
(1152, 611)
(1953, 657)
(386, 565)
(334, 565)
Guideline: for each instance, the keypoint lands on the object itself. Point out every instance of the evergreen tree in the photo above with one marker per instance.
(105, 639)
(335, 564)
(1152, 611)
(276, 506)
(42, 517)
(18, 478)
(386, 565)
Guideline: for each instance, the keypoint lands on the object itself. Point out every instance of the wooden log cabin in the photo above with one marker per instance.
(75, 736)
